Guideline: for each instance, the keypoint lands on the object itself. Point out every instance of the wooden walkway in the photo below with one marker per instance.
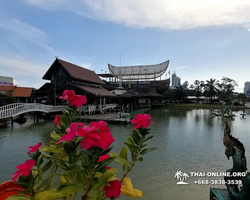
(109, 117)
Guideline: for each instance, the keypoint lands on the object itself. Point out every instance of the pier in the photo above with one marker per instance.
(109, 117)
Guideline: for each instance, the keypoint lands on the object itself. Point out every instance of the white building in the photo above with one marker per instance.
(247, 88)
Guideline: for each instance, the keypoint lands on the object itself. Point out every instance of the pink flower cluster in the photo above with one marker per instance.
(74, 100)
(96, 135)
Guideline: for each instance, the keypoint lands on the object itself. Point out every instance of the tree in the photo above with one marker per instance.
(181, 92)
(170, 95)
(198, 87)
(211, 88)
(226, 89)
(242, 98)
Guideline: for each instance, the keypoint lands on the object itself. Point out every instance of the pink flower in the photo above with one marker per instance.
(78, 101)
(71, 132)
(24, 169)
(67, 95)
(57, 121)
(104, 157)
(93, 138)
(90, 136)
(141, 120)
(113, 189)
(34, 148)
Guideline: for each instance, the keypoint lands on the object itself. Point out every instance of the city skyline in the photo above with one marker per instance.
(202, 40)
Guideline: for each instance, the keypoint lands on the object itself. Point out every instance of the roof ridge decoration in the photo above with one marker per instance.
(136, 72)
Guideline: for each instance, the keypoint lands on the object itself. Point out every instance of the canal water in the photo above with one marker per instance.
(187, 140)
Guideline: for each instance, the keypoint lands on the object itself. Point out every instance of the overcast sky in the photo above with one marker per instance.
(202, 39)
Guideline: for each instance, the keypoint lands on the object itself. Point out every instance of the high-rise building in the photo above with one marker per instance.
(247, 88)
(176, 81)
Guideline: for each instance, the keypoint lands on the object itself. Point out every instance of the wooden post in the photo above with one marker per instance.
(11, 121)
(34, 113)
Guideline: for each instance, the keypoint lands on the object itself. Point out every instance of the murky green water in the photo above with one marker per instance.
(188, 140)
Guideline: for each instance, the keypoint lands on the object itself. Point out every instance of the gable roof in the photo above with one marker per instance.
(75, 72)
(17, 91)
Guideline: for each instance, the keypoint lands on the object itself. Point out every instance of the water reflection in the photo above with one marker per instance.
(188, 140)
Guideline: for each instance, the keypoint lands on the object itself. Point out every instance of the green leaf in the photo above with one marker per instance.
(106, 151)
(121, 161)
(103, 180)
(49, 195)
(81, 178)
(144, 151)
(47, 166)
(18, 197)
(65, 111)
(45, 155)
(63, 164)
(148, 138)
(55, 135)
(140, 159)
(104, 163)
(130, 141)
(123, 153)
(71, 189)
(64, 119)
(136, 137)
(112, 154)
(50, 149)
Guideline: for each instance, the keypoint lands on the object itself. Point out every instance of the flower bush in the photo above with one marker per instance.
(78, 159)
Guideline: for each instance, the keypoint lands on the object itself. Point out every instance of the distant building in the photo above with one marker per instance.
(247, 88)
(21, 94)
(176, 81)
(6, 81)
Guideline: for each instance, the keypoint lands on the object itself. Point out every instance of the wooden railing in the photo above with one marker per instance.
(15, 109)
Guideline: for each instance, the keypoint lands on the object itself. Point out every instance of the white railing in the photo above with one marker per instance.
(91, 108)
(15, 109)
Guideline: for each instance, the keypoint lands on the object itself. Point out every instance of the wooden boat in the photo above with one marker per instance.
(3, 123)
(21, 120)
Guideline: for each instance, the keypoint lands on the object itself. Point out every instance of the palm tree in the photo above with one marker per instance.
(178, 175)
(198, 86)
(211, 88)
(185, 176)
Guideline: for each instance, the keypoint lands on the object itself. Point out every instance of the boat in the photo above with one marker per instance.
(3, 123)
(21, 119)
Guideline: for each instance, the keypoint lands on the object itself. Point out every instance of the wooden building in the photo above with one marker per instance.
(17, 94)
(64, 75)
(139, 85)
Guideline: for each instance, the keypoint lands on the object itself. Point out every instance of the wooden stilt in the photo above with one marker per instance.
(11, 121)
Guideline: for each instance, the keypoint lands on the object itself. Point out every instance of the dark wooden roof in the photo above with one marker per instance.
(75, 71)
(97, 91)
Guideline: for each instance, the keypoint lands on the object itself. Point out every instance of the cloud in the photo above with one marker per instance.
(171, 14)
(19, 31)
(16, 82)
(21, 66)
(183, 67)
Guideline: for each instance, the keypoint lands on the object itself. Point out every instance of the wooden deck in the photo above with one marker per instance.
(109, 117)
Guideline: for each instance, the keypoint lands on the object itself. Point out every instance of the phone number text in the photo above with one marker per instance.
(218, 182)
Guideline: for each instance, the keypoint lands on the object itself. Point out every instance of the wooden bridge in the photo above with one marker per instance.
(15, 109)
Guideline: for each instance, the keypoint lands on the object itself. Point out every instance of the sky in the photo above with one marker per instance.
(202, 39)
